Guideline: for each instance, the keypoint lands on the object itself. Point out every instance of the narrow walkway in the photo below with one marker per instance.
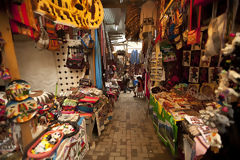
(130, 135)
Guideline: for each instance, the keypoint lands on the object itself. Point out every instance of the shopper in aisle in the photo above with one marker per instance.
(140, 87)
(135, 82)
(125, 82)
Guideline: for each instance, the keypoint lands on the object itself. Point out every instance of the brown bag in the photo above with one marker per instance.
(53, 44)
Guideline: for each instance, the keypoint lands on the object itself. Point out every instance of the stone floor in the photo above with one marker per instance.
(130, 135)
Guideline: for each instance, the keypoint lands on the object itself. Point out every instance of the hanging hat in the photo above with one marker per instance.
(18, 90)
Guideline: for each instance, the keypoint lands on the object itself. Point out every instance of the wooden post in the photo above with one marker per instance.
(10, 62)
(10, 59)
(94, 70)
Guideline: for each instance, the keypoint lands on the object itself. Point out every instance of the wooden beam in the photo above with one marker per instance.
(165, 10)
(94, 70)
(10, 59)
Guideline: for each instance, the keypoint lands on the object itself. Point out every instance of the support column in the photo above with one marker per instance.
(9, 57)
(10, 62)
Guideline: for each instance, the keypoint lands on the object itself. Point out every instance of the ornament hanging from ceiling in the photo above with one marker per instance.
(85, 14)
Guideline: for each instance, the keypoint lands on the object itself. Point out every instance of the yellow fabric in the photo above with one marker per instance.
(85, 15)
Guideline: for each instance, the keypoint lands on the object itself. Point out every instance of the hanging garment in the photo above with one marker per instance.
(98, 65)
(134, 59)
(148, 18)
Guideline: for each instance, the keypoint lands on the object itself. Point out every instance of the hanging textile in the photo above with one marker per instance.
(22, 20)
(134, 59)
(98, 65)
(23, 14)
(103, 51)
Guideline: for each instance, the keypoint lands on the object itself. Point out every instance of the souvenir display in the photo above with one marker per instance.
(181, 58)
(67, 128)
(20, 107)
(18, 90)
(46, 145)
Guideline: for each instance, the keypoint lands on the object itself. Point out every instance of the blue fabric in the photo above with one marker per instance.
(134, 59)
(80, 121)
(98, 63)
(135, 82)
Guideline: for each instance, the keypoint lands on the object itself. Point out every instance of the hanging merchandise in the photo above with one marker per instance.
(87, 41)
(53, 41)
(134, 59)
(98, 64)
(148, 18)
(216, 32)
(4, 73)
(43, 41)
(23, 14)
(167, 50)
(194, 35)
(22, 20)
(53, 44)
(156, 72)
(202, 2)
(60, 31)
(75, 57)
(20, 107)
(80, 14)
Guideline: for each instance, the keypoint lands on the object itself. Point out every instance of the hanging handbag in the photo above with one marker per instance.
(194, 35)
(87, 42)
(75, 60)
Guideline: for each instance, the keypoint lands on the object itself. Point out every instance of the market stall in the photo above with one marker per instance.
(188, 74)
(51, 114)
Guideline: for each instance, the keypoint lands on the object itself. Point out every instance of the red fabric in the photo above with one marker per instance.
(24, 14)
(89, 99)
(202, 2)
(175, 79)
(15, 13)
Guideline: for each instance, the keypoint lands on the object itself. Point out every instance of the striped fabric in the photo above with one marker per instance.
(23, 14)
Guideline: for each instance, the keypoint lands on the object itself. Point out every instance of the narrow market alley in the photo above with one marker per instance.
(130, 134)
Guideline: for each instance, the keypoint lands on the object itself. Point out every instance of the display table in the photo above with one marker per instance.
(164, 124)
(185, 123)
